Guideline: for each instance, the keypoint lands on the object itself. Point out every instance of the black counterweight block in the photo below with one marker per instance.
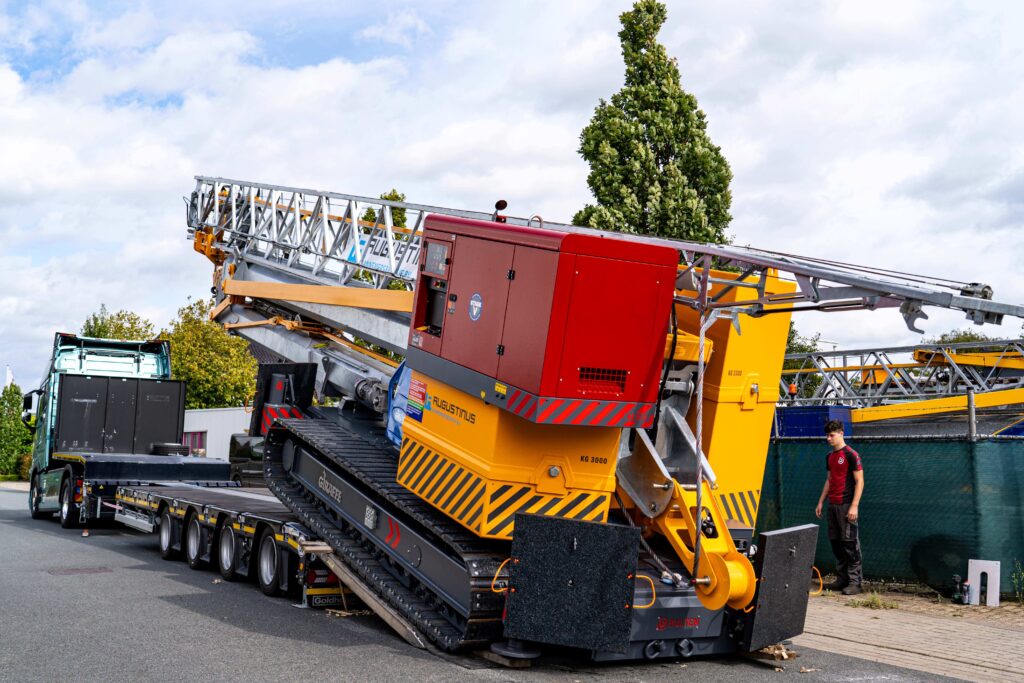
(571, 583)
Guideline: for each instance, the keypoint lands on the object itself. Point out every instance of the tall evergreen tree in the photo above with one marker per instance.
(653, 169)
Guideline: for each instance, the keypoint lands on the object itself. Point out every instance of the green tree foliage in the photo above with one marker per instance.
(797, 343)
(398, 220)
(119, 325)
(218, 368)
(653, 168)
(959, 336)
(15, 439)
(397, 215)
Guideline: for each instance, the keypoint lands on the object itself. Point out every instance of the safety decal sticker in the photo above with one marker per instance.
(476, 306)
(741, 506)
(417, 399)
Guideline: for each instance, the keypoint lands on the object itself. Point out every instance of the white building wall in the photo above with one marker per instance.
(217, 425)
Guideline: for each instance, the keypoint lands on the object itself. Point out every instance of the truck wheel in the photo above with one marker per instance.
(167, 550)
(33, 500)
(68, 509)
(267, 564)
(227, 559)
(193, 543)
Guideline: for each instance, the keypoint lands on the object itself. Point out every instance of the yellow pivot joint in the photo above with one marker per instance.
(724, 576)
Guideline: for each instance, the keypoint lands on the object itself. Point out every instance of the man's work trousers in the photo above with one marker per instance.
(845, 539)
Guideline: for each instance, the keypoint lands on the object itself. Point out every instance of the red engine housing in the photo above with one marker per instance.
(558, 320)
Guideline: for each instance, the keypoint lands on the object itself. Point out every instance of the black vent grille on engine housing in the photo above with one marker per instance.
(603, 379)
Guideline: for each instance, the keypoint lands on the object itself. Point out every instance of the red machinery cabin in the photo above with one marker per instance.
(504, 311)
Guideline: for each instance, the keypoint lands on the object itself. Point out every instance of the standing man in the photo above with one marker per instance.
(843, 486)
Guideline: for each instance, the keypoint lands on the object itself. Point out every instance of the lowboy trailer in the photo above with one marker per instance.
(242, 533)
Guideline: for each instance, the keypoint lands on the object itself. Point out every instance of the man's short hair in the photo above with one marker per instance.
(833, 426)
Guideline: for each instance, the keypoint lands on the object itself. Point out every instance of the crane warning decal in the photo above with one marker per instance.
(417, 399)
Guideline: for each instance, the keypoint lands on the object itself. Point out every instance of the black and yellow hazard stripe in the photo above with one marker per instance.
(505, 500)
(464, 496)
(446, 485)
(741, 506)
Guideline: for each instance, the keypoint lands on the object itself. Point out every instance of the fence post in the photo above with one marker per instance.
(976, 493)
(972, 417)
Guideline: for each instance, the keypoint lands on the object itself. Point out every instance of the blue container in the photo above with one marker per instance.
(809, 420)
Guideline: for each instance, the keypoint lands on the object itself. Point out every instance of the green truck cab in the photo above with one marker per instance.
(107, 413)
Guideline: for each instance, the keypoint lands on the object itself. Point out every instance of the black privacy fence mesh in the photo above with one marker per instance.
(929, 504)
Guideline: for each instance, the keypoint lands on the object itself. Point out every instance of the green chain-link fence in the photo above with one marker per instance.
(929, 504)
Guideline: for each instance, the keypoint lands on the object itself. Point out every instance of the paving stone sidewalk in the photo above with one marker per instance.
(941, 645)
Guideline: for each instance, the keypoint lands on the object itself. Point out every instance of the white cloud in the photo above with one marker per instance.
(888, 137)
(401, 28)
(135, 29)
(190, 62)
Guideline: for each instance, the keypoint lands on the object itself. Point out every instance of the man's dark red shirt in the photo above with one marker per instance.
(841, 465)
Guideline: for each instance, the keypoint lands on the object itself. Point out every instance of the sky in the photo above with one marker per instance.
(887, 134)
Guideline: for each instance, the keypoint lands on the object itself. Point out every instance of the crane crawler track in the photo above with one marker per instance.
(370, 465)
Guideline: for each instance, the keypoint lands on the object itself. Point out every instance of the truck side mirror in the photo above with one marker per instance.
(28, 414)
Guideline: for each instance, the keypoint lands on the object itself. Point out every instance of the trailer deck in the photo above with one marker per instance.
(241, 532)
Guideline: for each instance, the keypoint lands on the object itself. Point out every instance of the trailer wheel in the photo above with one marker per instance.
(193, 543)
(267, 564)
(68, 509)
(167, 550)
(227, 558)
(33, 499)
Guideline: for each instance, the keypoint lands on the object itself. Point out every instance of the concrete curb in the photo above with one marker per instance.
(14, 486)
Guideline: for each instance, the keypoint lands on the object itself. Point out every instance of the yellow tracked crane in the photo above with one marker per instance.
(571, 450)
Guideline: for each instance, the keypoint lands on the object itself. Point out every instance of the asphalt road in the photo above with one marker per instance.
(107, 607)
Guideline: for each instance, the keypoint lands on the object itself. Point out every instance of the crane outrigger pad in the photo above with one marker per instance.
(783, 563)
(572, 583)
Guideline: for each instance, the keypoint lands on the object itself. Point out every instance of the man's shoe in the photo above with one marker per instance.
(852, 590)
(835, 586)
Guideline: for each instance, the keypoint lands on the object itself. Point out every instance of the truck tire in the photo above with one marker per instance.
(33, 500)
(68, 509)
(227, 553)
(267, 564)
(194, 543)
(167, 550)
